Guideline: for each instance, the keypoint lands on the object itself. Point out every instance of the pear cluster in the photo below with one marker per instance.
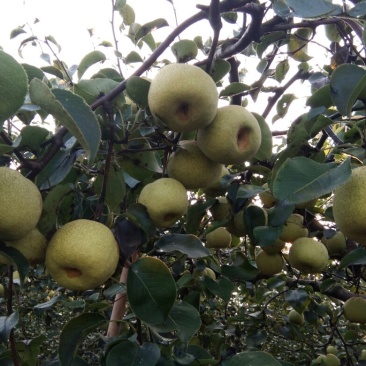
(184, 98)
(20, 211)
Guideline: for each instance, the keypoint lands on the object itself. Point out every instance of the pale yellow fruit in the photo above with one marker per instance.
(2, 290)
(349, 208)
(294, 229)
(82, 255)
(269, 264)
(336, 245)
(221, 209)
(190, 166)
(308, 255)
(267, 197)
(236, 225)
(218, 238)
(276, 247)
(332, 350)
(217, 189)
(33, 247)
(363, 355)
(20, 204)
(328, 360)
(166, 201)
(354, 310)
(183, 97)
(233, 137)
(205, 272)
(295, 317)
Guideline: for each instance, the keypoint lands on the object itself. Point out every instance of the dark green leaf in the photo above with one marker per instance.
(222, 288)
(74, 332)
(184, 243)
(53, 71)
(72, 112)
(296, 298)
(89, 60)
(149, 300)
(149, 27)
(241, 270)
(15, 32)
(128, 353)
(359, 10)
(301, 179)
(312, 8)
(13, 86)
(195, 214)
(40, 308)
(284, 104)
(137, 89)
(234, 89)
(356, 256)
(184, 50)
(132, 57)
(7, 323)
(219, 69)
(249, 191)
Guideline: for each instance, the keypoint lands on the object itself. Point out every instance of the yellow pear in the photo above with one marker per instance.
(20, 205)
(33, 246)
(183, 97)
(294, 229)
(269, 264)
(205, 272)
(233, 137)
(82, 255)
(190, 166)
(354, 310)
(267, 197)
(295, 317)
(336, 245)
(349, 208)
(308, 255)
(2, 290)
(328, 360)
(218, 239)
(236, 225)
(216, 189)
(275, 247)
(221, 209)
(166, 201)
(331, 349)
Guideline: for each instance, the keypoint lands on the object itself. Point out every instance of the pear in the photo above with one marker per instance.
(275, 247)
(236, 225)
(295, 317)
(218, 239)
(308, 255)
(82, 255)
(205, 272)
(354, 310)
(33, 247)
(216, 189)
(267, 197)
(336, 244)
(221, 209)
(269, 264)
(233, 137)
(328, 360)
(20, 205)
(294, 229)
(349, 208)
(190, 166)
(166, 201)
(183, 97)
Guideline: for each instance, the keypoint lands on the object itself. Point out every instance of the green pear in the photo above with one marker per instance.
(205, 272)
(183, 97)
(233, 137)
(219, 238)
(82, 255)
(267, 197)
(190, 166)
(295, 317)
(336, 244)
(269, 264)
(275, 247)
(294, 229)
(328, 360)
(20, 205)
(349, 208)
(308, 255)
(166, 201)
(221, 209)
(354, 310)
(236, 225)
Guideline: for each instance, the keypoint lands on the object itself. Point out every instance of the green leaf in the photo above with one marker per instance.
(234, 89)
(151, 290)
(312, 8)
(33, 72)
(249, 191)
(265, 150)
(184, 243)
(128, 353)
(347, 84)
(241, 270)
(284, 104)
(219, 69)
(149, 27)
(251, 358)
(137, 89)
(74, 332)
(281, 70)
(53, 71)
(128, 14)
(72, 112)
(184, 50)
(7, 323)
(195, 214)
(301, 179)
(222, 288)
(15, 32)
(40, 308)
(13, 86)
(355, 257)
(183, 318)
(359, 10)
(132, 57)
(296, 298)
(321, 98)
(89, 60)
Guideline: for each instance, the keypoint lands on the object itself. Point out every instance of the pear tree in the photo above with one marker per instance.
(187, 200)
